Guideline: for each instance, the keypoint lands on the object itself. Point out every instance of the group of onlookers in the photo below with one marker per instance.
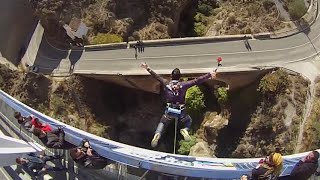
(269, 168)
(54, 138)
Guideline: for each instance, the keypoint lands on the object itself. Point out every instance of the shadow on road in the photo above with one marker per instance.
(48, 57)
(303, 26)
(74, 56)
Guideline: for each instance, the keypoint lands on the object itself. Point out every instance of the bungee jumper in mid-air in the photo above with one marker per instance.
(175, 92)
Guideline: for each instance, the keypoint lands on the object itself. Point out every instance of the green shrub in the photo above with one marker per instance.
(312, 129)
(267, 4)
(199, 29)
(185, 146)
(199, 17)
(105, 38)
(274, 83)
(195, 101)
(222, 94)
(296, 9)
(205, 9)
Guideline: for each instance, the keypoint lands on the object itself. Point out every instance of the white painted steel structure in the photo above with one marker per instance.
(146, 159)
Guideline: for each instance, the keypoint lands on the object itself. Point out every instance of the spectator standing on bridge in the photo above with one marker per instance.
(37, 164)
(268, 168)
(87, 157)
(175, 92)
(305, 168)
(31, 122)
(53, 139)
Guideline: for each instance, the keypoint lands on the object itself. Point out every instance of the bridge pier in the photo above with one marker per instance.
(234, 80)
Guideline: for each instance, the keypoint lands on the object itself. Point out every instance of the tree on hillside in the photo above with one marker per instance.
(105, 38)
(296, 9)
(195, 101)
(274, 84)
(222, 95)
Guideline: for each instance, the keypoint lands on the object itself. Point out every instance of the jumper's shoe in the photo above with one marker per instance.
(185, 134)
(155, 140)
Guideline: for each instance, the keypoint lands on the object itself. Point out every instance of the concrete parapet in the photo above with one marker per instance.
(266, 35)
(101, 47)
(166, 42)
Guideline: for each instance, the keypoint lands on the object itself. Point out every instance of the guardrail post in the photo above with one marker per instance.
(144, 174)
(122, 171)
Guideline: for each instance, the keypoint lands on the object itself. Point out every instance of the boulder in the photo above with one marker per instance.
(211, 125)
(201, 149)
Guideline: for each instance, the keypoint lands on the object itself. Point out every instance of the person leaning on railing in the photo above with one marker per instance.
(31, 122)
(87, 157)
(268, 168)
(37, 164)
(305, 168)
(53, 139)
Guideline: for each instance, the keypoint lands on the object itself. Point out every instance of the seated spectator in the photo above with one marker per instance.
(31, 122)
(53, 139)
(87, 157)
(36, 165)
(305, 168)
(268, 168)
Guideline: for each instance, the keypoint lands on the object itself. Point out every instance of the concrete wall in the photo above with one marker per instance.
(235, 80)
(17, 23)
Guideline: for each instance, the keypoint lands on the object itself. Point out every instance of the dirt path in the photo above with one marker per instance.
(282, 12)
(309, 70)
(306, 114)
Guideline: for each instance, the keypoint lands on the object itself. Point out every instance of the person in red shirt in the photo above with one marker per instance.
(31, 122)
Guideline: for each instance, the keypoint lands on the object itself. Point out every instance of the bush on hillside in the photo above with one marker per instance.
(200, 29)
(105, 38)
(205, 9)
(267, 4)
(195, 101)
(274, 83)
(222, 94)
(185, 146)
(296, 9)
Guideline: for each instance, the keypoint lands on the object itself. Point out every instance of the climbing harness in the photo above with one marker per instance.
(174, 111)
(174, 86)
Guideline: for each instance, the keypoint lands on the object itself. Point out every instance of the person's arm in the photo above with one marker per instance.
(153, 74)
(60, 142)
(89, 152)
(200, 79)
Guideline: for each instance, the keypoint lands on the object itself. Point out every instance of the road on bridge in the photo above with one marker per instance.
(302, 46)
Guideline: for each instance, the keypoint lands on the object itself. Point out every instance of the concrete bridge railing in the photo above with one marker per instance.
(187, 166)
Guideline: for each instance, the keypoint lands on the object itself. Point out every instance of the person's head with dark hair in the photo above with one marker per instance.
(20, 161)
(176, 74)
(18, 116)
(312, 157)
(39, 133)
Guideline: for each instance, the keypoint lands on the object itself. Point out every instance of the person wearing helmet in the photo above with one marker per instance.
(175, 92)
(268, 168)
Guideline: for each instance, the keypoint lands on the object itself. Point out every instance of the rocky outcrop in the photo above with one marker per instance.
(201, 149)
(210, 127)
